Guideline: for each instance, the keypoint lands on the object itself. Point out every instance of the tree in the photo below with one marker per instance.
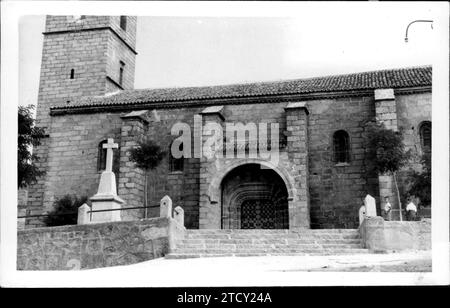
(28, 136)
(390, 152)
(421, 181)
(146, 156)
(65, 211)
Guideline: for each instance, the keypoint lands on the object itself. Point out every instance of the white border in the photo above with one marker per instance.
(10, 14)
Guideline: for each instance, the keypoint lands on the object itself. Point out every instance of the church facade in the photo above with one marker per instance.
(316, 174)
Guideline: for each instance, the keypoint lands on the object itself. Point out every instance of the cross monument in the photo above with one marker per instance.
(106, 198)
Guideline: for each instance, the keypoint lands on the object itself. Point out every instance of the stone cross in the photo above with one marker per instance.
(109, 146)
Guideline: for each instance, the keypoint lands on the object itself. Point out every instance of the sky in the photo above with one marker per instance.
(314, 41)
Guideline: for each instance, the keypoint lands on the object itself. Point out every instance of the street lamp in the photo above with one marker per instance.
(407, 28)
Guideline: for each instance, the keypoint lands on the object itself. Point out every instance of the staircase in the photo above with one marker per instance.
(240, 243)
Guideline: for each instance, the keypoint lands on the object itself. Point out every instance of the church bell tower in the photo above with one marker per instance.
(82, 56)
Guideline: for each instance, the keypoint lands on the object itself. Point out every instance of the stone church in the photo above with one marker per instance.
(323, 170)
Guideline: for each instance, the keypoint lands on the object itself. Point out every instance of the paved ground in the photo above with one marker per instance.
(270, 271)
(419, 261)
(406, 268)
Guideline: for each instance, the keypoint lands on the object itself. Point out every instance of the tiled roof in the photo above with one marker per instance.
(393, 78)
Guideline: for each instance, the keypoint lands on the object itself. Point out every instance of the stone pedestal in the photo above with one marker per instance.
(165, 208)
(362, 214)
(106, 199)
(83, 214)
(179, 215)
(370, 206)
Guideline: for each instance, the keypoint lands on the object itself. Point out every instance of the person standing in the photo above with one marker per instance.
(387, 210)
(411, 210)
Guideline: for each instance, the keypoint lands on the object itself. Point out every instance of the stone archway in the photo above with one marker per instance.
(254, 198)
(213, 172)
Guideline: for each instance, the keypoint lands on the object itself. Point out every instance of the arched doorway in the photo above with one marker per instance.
(254, 197)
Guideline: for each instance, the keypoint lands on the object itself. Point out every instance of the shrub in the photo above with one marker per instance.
(65, 211)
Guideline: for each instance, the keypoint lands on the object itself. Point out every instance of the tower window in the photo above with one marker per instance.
(425, 135)
(176, 164)
(123, 22)
(72, 74)
(341, 147)
(121, 69)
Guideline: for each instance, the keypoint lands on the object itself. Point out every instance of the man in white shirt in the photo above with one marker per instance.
(411, 210)
(387, 209)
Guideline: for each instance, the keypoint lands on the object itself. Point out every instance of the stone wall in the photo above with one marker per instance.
(22, 197)
(93, 51)
(412, 111)
(380, 235)
(182, 187)
(96, 245)
(73, 154)
(337, 190)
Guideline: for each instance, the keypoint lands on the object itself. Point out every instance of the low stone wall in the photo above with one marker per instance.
(380, 235)
(96, 245)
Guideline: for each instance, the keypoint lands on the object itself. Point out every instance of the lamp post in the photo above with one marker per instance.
(419, 20)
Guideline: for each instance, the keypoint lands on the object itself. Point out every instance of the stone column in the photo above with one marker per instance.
(210, 209)
(386, 113)
(297, 148)
(131, 178)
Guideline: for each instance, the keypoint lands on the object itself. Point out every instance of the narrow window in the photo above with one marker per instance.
(72, 73)
(341, 147)
(123, 22)
(101, 161)
(121, 69)
(176, 164)
(425, 135)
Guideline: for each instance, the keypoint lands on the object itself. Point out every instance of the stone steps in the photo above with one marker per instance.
(236, 247)
(215, 243)
(287, 236)
(185, 255)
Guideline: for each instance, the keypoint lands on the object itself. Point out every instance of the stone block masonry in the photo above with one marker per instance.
(96, 245)
(412, 111)
(73, 158)
(132, 179)
(95, 56)
(387, 236)
(337, 190)
(79, 58)
(297, 148)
